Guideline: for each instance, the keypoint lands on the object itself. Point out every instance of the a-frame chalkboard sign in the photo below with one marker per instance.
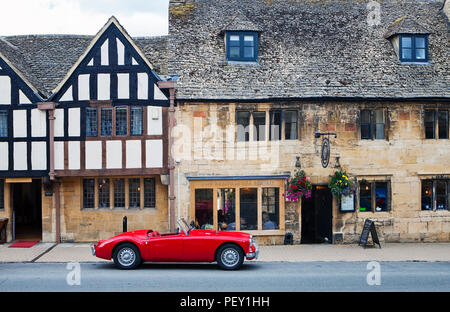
(369, 227)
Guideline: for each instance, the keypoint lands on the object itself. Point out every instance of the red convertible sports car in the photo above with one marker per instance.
(188, 244)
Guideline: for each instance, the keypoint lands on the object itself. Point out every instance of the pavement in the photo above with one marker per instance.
(81, 252)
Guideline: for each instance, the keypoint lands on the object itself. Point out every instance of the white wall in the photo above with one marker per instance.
(114, 154)
(154, 120)
(38, 123)
(93, 154)
(38, 155)
(103, 86)
(74, 121)
(83, 87)
(4, 155)
(154, 154)
(20, 123)
(20, 156)
(59, 155)
(133, 154)
(74, 155)
(5, 90)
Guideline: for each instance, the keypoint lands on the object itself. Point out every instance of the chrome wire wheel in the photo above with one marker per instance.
(126, 256)
(230, 257)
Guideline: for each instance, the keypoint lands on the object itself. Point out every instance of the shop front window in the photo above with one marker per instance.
(253, 205)
(249, 208)
(226, 209)
(204, 208)
(270, 208)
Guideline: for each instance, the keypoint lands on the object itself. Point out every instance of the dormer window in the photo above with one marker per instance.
(242, 46)
(413, 48)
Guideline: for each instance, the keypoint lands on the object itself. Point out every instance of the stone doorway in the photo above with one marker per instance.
(317, 216)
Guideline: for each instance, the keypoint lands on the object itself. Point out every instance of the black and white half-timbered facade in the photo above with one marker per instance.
(89, 142)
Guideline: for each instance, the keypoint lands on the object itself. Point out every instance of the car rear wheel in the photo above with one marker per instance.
(127, 256)
(230, 257)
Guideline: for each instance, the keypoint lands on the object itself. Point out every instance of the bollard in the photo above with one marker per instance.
(124, 224)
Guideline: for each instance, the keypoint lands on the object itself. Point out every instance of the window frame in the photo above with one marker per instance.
(372, 124)
(241, 35)
(237, 185)
(413, 48)
(373, 196)
(2, 194)
(435, 123)
(125, 195)
(434, 196)
(4, 127)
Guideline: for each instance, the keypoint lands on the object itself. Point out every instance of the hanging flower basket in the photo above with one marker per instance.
(341, 185)
(298, 186)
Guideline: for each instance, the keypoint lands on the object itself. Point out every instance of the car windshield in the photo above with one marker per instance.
(183, 225)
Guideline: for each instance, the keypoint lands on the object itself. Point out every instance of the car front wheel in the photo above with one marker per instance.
(230, 257)
(127, 256)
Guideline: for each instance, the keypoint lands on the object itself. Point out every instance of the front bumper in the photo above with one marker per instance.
(253, 254)
(93, 249)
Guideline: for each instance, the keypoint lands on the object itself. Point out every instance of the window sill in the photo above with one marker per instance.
(414, 63)
(239, 63)
(264, 232)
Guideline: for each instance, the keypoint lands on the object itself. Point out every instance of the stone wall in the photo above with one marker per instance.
(404, 158)
(87, 225)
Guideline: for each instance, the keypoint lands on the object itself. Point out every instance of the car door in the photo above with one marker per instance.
(199, 245)
(165, 248)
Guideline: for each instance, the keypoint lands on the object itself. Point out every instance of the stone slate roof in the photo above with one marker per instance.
(307, 49)
(45, 59)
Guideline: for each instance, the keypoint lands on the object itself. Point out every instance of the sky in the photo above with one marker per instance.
(83, 17)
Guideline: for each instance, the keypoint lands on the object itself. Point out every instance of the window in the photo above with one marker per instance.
(242, 46)
(429, 125)
(435, 194)
(3, 123)
(135, 192)
(121, 121)
(250, 205)
(249, 208)
(119, 193)
(103, 193)
(270, 208)
(149, 193)
(226, 209)
(414, 48)
(106, 122)
(88, 193)
(243, 123)
(259, 123)
(275, 125)
(374, 196)
(372, 124)
(290, 126)
(91, 121)
(2, 194)
(204, 208)
(436, 124)
(136, 120)
(443, 124)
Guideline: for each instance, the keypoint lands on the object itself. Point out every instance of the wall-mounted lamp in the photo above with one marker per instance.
(297, 162)
(338, 164)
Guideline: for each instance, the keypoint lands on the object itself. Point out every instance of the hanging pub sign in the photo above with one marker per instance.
(369, 227)
(325, 151)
